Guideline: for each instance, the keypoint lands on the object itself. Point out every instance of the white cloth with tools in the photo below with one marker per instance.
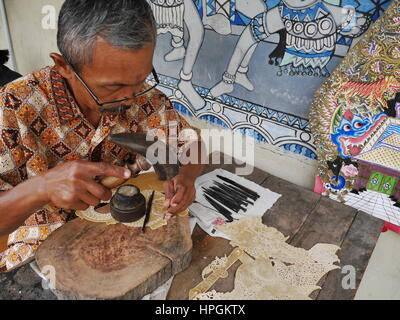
(207, 216)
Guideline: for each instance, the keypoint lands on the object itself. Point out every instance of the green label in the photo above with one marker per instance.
(388, 185)
(375, 181)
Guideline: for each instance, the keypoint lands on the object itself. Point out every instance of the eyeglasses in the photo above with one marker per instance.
(115, 105)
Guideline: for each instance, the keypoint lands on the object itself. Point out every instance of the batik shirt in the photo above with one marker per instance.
(41, 126)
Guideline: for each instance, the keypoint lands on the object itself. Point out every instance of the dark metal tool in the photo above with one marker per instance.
(136, 163)
(137, 143)
(229, 188)
(232, 197)
(238, 191)
(127, 204)
(234, 192)
(225, 201)
(220, 208)
(254, 195)
(212, 208)
(148, 211)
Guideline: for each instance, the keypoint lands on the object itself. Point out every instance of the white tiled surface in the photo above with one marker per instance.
(375, 203)
(381, 280)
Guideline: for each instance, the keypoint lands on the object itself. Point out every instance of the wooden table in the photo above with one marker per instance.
(307, 218)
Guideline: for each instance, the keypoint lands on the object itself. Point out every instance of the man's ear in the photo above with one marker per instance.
(61, 66)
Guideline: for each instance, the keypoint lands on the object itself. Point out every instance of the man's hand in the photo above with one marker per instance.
(72, 185)
(179, 193)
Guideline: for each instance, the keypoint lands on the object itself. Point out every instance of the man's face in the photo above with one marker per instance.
(114, 74)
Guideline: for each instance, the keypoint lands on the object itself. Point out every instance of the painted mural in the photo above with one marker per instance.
(253, 65)
(355, 119)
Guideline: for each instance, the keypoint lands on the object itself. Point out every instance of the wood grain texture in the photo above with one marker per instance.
(305, 217)
(308, 219)
(207, 248)
(98, 261)
(329, 222)
(356, 250)
(291, 210)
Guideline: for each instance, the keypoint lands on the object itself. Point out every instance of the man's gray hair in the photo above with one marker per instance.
(125, 24)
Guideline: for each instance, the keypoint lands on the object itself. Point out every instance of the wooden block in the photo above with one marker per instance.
(356, 251)
(328, 223)
(207, 248)
(292, 209)
(98, 261)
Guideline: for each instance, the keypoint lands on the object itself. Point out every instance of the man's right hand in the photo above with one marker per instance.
(73, 186)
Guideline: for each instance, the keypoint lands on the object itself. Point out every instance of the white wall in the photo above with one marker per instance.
(3, 39)
(33, 44)
(3, 43)
(283, 164)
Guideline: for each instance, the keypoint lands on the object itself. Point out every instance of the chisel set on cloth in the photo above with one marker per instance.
(227, 196)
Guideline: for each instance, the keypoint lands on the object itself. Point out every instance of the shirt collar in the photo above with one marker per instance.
(65, 103)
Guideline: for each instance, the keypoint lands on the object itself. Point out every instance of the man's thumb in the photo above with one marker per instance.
(169, 192)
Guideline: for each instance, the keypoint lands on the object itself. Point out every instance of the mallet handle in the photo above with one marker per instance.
(112, 182)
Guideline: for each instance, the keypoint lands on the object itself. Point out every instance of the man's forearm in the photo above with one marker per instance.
(19, 203)
(192, 170)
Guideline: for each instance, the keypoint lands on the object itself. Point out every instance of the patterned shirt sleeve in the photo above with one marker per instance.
(11, 148)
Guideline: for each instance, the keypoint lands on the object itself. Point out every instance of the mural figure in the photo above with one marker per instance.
(310, 31)
(217, 14)
(171, 15)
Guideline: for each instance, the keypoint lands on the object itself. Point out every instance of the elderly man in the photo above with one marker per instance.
(54, 123)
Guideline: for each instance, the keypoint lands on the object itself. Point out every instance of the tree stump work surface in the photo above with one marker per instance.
(99, 261)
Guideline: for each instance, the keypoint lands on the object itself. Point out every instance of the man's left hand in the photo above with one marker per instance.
(180, 193)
